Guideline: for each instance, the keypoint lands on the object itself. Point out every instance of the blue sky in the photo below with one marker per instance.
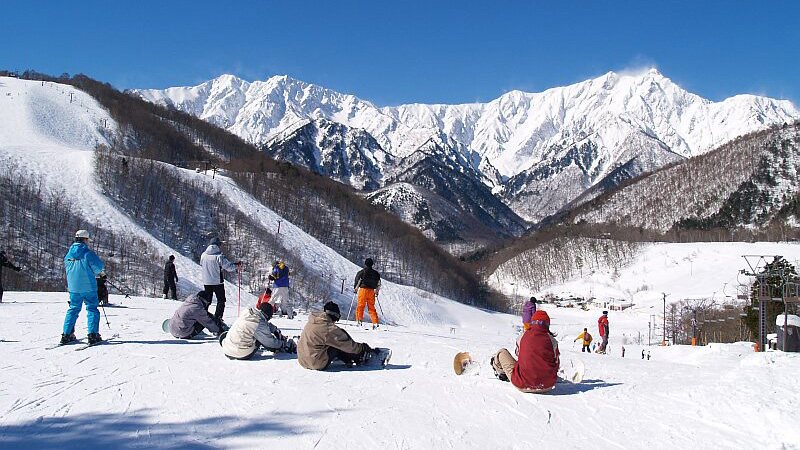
(409, 51)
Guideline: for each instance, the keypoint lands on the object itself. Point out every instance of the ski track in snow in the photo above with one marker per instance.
(146, 389)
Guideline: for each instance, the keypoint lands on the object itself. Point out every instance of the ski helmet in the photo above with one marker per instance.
(82, 234)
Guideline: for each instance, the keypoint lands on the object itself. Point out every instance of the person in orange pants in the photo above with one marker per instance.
(367, 283)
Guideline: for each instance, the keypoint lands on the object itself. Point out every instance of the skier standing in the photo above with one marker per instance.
(587, 340)
(602, 325)
(280, 295)
(252, 329)
(367, 284)
(537, 368)
(527, 311)
(82, 265)
(213, 262)
(322, 342)
(192, 317)
(102, 289)
(170, 279)
(4, 262)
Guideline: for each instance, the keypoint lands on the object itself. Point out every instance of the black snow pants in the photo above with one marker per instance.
(169, 286)
(586, 349)
(219, 291)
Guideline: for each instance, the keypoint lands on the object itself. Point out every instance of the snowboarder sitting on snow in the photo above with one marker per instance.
(587, 340)
(536, 370)
(251, 330)
(212, 261)
(527, 311)
(602, 325)
(322, 342)
(367, 284)
(192, 317)
(264, 298)
(280, 278)
(82, 265)
(4, 262)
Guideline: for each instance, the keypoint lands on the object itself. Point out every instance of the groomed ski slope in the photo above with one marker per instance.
(149, 390)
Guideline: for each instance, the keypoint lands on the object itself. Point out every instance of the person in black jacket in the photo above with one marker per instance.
(170, 278)
(367, 284)
(4, 262)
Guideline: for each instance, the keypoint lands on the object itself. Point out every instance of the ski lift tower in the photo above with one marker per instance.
(763, 295)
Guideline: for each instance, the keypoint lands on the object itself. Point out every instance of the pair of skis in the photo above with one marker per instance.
(84, 346)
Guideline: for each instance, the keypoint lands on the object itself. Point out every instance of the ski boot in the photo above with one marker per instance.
(67, 338)
(289, 346)
(375, 325)
(94, 338)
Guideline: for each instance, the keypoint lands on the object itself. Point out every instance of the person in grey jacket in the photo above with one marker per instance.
(252, 329)
(212, 263)
(192, 317)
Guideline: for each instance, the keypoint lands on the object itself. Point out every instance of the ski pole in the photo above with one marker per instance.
(239, 285)
(351, 304)
(106, 316)
(380, 307)
(117, 288)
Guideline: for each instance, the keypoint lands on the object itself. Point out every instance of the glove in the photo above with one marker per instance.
(272, 277)
(17, 269)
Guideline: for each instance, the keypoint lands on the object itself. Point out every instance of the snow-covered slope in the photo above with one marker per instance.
(555, 143)
(47, 135)
(682, 271)
(146, 389)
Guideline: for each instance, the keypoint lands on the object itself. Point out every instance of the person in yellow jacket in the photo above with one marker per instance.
(587, 340)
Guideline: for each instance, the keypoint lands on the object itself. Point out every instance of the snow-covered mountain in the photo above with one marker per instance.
(553, 145)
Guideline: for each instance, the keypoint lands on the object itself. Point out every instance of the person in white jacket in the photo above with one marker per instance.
(212, 263)
(252, 329)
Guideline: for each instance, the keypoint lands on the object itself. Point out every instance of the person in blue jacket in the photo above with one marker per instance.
(280, 291)
(82, 265)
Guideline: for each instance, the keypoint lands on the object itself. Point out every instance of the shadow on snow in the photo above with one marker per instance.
(144, 429)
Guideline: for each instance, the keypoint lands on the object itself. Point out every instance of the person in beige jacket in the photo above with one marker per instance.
(322, 342)
(251, 330)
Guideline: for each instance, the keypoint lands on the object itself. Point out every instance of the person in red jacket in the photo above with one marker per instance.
(537, 368)
(602, 325)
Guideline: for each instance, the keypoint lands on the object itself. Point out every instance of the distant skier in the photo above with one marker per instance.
(82, 265)
(587, 340)
(4, 262)
(264, 298)
(252, 329)
(213, 262)
(170, 279)
(623, 351)
(527, 311)
(367, 284)
(322, 342)
(602, 325)
(537, 368)
(192, 317)
(648, 355)
(280, 295)
(102, 289)
(642, 353)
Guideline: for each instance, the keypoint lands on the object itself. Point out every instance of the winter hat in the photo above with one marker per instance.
(533, 299)
(215, 241)
(369, 262)
(541, 317)
(172, 257)
(205, 297)
(268, 291)
(266, 309)
(605, 313)
(332, 309)
(83, 234)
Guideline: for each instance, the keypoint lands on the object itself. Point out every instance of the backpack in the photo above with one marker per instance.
(587, 337)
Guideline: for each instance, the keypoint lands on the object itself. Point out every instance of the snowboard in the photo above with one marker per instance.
(165, 326)
(380, 357)
(221, 337)
(461, 361)
(571, 370)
